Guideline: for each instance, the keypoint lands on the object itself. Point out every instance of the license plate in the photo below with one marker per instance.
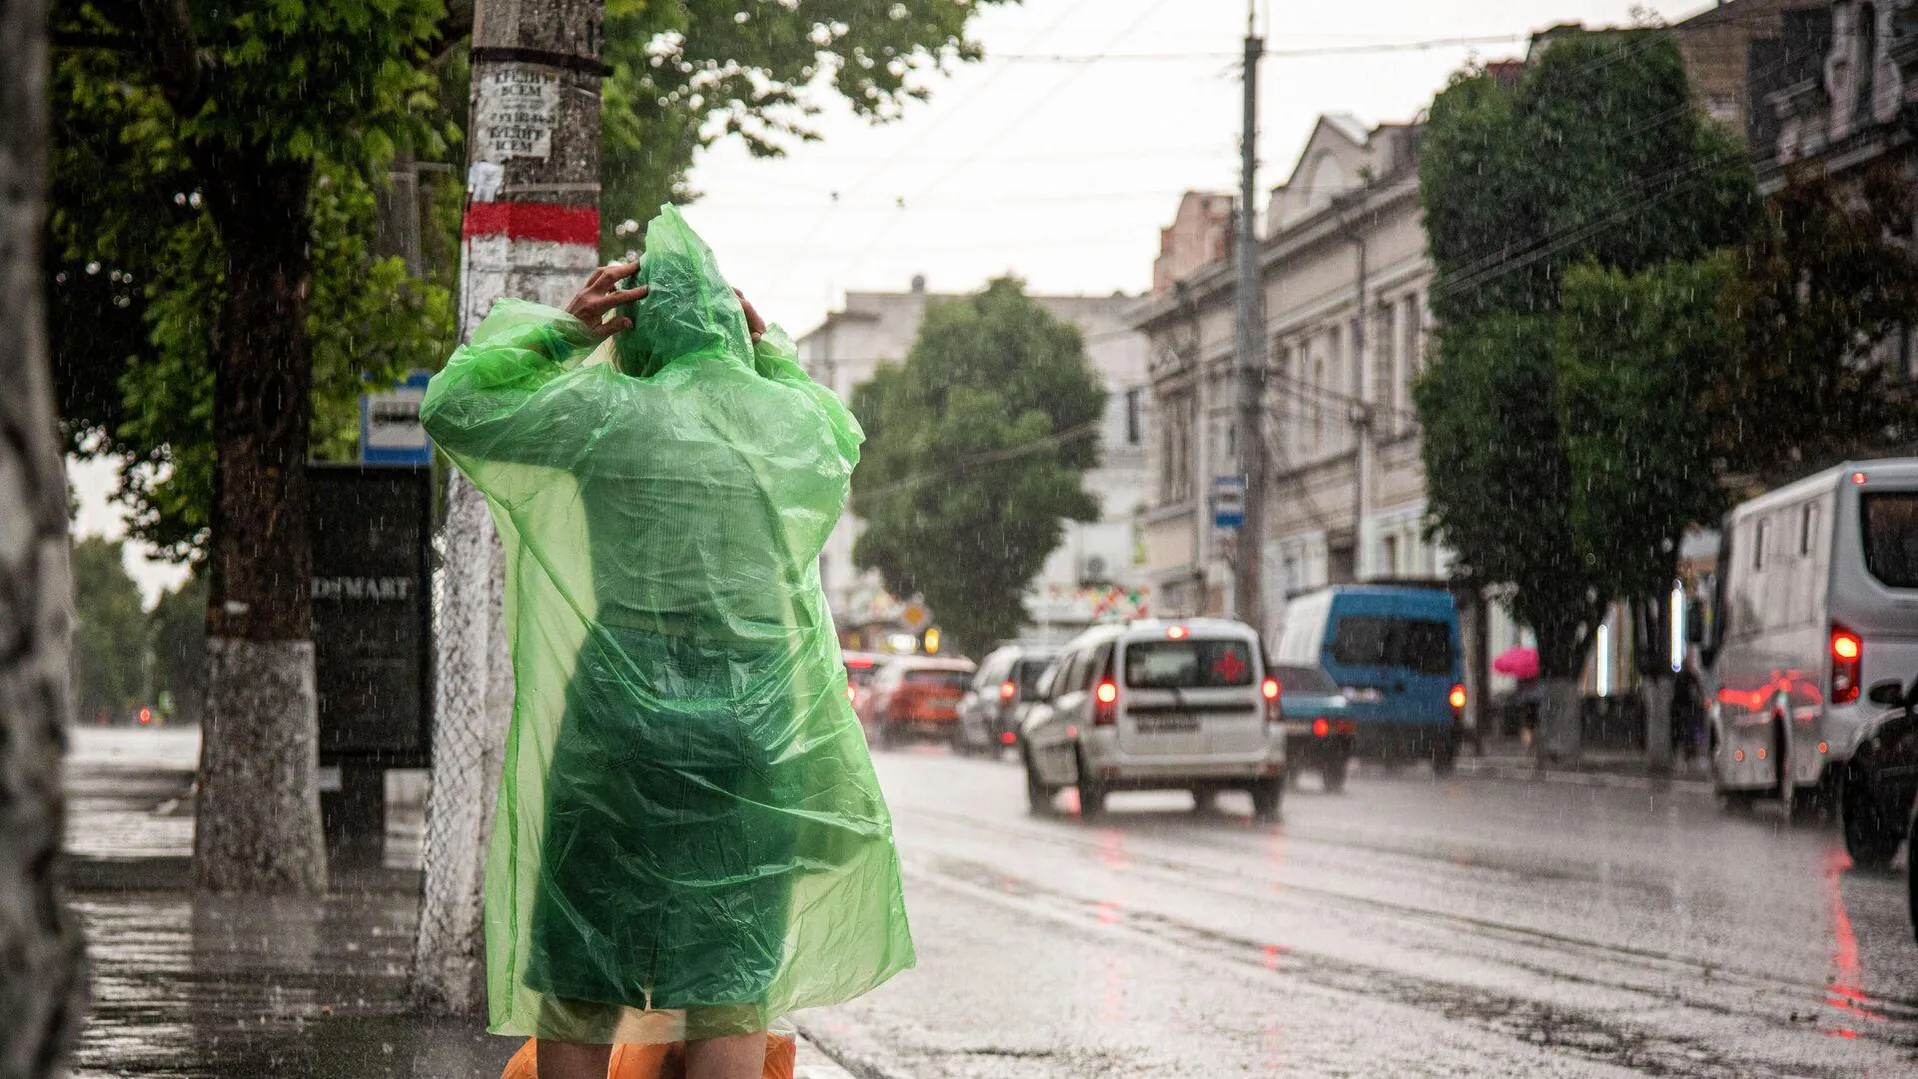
(1167, 724)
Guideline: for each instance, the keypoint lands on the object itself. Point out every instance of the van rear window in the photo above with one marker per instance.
(1891, 537)
(1188, 664)
(1420, 645)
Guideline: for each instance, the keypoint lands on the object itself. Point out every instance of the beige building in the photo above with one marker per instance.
(1098, 564)
(1345, 275)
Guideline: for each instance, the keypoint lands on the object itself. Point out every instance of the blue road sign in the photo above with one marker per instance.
(390, 431)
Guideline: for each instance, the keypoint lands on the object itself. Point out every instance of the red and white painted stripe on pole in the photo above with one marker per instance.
(537, 251)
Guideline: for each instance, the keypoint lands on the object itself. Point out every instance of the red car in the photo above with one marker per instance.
(915, 696)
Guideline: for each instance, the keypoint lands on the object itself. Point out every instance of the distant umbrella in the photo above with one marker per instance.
(1521, 663)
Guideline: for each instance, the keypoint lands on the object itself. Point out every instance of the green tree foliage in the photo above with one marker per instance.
(1501, 486)
(177, 645)
(1635, 354)
(976, 451)
(1827, 278)
(138, 273)
(110, 633)
(1598, 153)
(1597, 158)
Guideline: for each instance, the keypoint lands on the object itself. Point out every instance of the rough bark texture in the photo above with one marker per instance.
(474, 695)
(41, 988)
(1560, 725)
(259, 817)
(257, 830)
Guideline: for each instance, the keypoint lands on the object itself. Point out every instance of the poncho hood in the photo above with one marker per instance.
(691, 314)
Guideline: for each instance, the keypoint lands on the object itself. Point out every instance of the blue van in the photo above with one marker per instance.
(1394, 650)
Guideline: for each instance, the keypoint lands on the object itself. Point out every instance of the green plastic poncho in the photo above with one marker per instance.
(690, 841)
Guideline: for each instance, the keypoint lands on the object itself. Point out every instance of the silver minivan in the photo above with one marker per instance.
(1157, 705)
(1815, 608)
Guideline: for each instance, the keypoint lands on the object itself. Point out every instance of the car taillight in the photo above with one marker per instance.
(1270, 690)
(1847, 657)
(1008, 738)
(1321, 727)
(1105, 710)
(1008, 690)
(1456, 699)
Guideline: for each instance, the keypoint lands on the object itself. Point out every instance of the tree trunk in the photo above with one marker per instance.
(1560, 725)
(258, 824)
(42, 992)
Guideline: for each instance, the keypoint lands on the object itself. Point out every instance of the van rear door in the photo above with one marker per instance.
(1394, 667)
(1191, 697)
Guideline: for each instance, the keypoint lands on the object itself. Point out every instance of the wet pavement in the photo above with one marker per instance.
(233, 989)
(1414, 927)
(1408, 927)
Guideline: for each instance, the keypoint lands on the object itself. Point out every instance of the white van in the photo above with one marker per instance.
(1157, 705)
(1815, 605)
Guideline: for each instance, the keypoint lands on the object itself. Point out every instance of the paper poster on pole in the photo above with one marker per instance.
(517, 111)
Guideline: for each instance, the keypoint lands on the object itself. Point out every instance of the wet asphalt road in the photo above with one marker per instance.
(1410, 927)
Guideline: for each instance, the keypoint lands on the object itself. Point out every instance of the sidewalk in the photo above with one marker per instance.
(232, 989)
(1602, 768)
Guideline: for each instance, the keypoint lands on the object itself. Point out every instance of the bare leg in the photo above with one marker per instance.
(564, 1060)
(736, 1056)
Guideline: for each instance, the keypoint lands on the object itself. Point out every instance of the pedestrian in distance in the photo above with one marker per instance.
(690, 842)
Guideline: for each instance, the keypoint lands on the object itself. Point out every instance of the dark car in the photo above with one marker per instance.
(1319, 726)
(1005, 684)
(1877, 788)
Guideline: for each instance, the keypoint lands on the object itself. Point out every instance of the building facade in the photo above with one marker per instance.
(1345, 275)
(1098, 570)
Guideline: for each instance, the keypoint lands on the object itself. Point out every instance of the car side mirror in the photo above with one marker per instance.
(1889, 694)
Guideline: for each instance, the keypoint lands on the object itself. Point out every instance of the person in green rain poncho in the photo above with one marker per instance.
(689, 841)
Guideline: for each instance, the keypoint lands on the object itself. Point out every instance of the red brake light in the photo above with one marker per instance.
(1321, 727)
(1007, 738)
(1177, 633)
(1008, 690)
(1847, 658)
(1457, 698)
(1106, 713)
(1858, 479)
(1270, 689)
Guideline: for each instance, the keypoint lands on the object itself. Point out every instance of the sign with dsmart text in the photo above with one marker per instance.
(372, 642)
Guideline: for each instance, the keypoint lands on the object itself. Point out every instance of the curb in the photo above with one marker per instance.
(846, 1063)
(1531, 773)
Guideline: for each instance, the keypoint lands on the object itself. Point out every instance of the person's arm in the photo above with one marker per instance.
(513, 393)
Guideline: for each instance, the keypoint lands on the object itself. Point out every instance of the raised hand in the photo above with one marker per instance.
(601, 294)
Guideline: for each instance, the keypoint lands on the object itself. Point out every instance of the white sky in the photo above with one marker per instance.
(1062, 173)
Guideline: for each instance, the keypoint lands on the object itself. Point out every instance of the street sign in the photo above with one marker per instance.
(372, 597)
(390, 431)
(916, 616)
(1228, 501)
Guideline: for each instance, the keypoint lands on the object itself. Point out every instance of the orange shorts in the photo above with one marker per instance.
(666, 1061)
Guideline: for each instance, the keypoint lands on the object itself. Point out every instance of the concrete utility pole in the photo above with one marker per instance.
(532, 232)
(1248, 601)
